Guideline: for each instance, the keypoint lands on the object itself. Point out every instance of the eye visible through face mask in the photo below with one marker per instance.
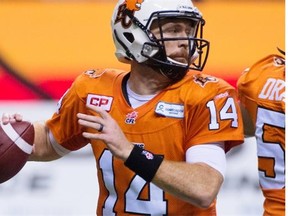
(174, 28)
(177, 30)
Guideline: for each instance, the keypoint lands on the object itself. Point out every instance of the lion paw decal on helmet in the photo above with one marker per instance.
(134, 5)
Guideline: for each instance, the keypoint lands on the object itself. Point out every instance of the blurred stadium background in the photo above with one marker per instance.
(45, 44)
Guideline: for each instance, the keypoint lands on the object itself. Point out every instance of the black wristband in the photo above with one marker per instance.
(143, 163)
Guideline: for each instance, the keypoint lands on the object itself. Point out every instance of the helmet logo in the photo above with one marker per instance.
(134, 5)
(131, 5)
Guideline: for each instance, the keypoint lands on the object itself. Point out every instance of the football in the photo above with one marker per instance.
(16, 142)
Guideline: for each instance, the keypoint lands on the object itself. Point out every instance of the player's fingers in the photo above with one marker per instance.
(89, 118)
(7, 118)
(100, 111)
(18, 117)
(94, 125)
(91, 135)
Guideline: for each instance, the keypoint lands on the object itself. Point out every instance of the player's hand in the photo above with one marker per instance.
(107, 130)
(10, 118)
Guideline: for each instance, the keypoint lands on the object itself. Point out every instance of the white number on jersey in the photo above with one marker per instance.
(227, 112)
(271, 154)
(156, 205)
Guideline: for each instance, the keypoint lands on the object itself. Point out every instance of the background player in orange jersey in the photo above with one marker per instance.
(262, 94)
(159, 133)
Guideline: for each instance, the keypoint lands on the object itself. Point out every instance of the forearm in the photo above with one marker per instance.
(195, 183)
(42, 148)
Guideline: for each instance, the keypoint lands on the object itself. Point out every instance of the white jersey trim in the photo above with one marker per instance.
(60, 150)
(213, 154)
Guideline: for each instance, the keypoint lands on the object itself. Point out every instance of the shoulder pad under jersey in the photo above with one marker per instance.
(94, 73)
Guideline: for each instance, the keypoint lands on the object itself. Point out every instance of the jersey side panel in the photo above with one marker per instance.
(262, 90)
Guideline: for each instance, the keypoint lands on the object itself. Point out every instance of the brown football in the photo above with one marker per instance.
(16, 141)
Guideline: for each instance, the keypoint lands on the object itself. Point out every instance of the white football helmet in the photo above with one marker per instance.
(133, 39)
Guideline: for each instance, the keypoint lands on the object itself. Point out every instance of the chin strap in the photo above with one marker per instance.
(172, 72)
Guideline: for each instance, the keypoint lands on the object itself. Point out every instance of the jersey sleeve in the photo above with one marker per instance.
(260, 82)
(64, 123)
(216, 117)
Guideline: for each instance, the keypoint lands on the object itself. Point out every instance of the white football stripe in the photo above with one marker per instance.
(14, 136)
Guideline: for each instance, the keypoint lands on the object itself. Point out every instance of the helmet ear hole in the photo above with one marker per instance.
(129, 36)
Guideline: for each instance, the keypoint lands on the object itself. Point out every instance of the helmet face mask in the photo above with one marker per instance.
(134, 40)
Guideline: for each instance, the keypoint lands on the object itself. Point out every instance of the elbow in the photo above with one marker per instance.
(207, 193)
(206, 196)
(205, 200)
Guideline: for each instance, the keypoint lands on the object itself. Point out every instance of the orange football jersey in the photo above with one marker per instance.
(262, 92)
(198, 109)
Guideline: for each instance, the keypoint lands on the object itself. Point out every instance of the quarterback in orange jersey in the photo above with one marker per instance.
(262, 95)
(159, 132)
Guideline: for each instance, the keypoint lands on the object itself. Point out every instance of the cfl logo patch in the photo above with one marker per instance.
(104, 102)
(131, 117)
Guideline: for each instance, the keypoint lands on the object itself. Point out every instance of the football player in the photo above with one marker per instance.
(262, 94)
(159, 132)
